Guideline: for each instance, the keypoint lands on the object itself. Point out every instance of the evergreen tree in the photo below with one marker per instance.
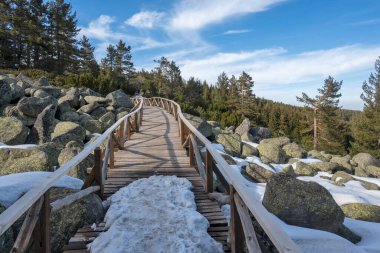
(366, 127)
(327, 127)
(6, 50)
(87, 62)
(123, 60)
(109, 62)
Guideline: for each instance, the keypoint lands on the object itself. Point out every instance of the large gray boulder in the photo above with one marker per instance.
(12, 131)
(361, 211)
(67, 131)
(319, 155)
(44, 126)
(260, 133)
(98, 112)
(294, 150)
(304, 204)
(66, 221)
(79, 171)
(32, 106)
(5, 93)
(244, 127)
(95, 99)
(344, 163)
(119, 99)
(303, 169)
(231, 143)
(248, 150)
(23, 160)
(326, 166)
(95, 126)
(364, 159)
(108, 119)
(43, 81)
(51, 90)
(278, 141)
(201, 125)
(72, 97)
(89, 108)
(270, 152)
(17, 92)
(258, 173)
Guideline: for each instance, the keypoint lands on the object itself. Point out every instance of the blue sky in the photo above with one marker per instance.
(287, 46)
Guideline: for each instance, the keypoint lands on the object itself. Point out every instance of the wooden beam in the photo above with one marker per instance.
(42, 230)
(112, 153)
(209, 173)
(198, 159)
(98, 172)
(191, 151)
(68, 200)
(23, 238)
(246, 221)
(236, 228)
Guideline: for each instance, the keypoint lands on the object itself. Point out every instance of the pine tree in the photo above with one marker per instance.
(123, 60)
(87, 62)
(6, 47)
(327, 126)
(366, 127)
(108, 63)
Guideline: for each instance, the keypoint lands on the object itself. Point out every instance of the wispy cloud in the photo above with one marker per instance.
(99, 28)
(196, 14)
(229, 32)
(366, 22)
(145, 19)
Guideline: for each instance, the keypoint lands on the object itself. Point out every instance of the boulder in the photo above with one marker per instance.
(248, 150)
(43, 126)
(66, 221)
(98, 112)
(120, 115)
(369, 185)
(260, 133)
(341, 177)
(289, 170)
(304, 204)
(361, 172)
(244, 127)
(228, 159)
(201, 125)
(364, 159)
(39, 93)
(294, 150)
(231, 143)
(79, 171)
(52, 151)
(303, 169)
(89, 107)
(32, 106)
(361, 211)
(66, 131)
(43, 81)
(70, 116)
(257, 173)
(17, 92)
(279, 141)
(119, 99)
(95, 126)
(108, 119)
(23, 160)
(12, 131)
(213, 123)
(95, 99)
(316, 154)
(344, 162)
(326, 166)
(270, 152)
(5, 93)
(72, 98)
(246, 136)
(74, 144)
(373, 171)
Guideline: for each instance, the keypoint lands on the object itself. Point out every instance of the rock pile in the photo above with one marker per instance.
(36, 112)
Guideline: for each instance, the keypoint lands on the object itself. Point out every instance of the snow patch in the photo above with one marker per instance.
(155, 214)
(253, 144)
(23, 146)
(13, 186)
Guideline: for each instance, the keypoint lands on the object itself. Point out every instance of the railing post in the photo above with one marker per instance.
(136, 122)
(41, 231)
(112, 153)
(121, 134)
(191, 152)
(236, 228)
(98, 172)
(209, 172)
(128, 128)
(141, 115)
(182, 132)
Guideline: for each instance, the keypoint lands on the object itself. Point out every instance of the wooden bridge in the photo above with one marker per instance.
(154, 139)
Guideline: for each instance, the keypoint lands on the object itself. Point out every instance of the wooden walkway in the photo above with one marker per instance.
(155, 150)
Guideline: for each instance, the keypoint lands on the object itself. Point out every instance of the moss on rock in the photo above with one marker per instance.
(12, 131)
(361, 211)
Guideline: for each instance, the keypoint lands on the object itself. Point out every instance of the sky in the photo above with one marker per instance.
(287, 46)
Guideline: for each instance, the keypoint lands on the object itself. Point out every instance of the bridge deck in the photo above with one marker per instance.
(155, 150)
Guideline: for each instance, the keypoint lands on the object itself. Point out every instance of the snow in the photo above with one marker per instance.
(155, 214)
(13, 186)
(253, 144)
(352, 192)
(23, 146)
(369, 231)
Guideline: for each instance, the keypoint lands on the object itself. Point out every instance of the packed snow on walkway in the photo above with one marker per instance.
(154, 215)
(13, 186)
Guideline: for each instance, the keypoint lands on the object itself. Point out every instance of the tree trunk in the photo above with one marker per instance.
(315, 141)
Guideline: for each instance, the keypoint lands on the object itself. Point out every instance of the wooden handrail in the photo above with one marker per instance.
(272, 228)
(17, 209)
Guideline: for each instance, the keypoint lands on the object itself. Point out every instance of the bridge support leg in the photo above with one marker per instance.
(41, 231)
(98, 172)
(236, 228)
(209, 173)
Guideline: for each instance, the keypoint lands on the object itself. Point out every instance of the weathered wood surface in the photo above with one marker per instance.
(155, 150)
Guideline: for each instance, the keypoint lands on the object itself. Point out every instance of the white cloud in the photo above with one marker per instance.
(145, 19)
(99, 28)
(229, 32)
(196, 14)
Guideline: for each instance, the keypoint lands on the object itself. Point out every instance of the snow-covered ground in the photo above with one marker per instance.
(23, 146)
(13, 186)
(156, 214)
(317, 241)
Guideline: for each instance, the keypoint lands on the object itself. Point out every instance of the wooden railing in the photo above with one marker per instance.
(36, 201)
(243, 202)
